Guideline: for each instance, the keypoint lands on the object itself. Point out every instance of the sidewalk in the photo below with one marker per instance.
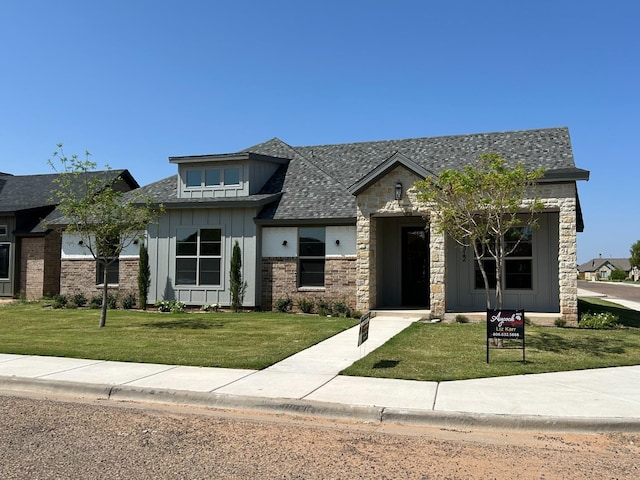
(625, 303)
(308, 383)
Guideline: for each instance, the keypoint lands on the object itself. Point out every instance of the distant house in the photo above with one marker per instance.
(30, 253)
(342, 223)
(600, 268)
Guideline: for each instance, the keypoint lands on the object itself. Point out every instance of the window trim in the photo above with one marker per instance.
(312, 259)
(3, 230)
(198, 257)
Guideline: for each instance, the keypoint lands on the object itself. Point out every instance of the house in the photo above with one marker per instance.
(600, 268)
(341, 223)
(30, 253)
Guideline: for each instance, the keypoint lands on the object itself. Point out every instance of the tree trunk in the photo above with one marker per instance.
(105, 295)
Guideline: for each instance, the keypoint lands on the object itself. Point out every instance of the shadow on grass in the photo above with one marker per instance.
(184, 323)
(627, 317)
(386, 364)
(549, 342)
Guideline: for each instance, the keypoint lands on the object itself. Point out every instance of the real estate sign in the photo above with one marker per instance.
(505, 325)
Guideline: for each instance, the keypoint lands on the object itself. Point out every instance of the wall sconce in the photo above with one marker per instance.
(80, 242)
(398, 191)
(337, 242)
(284, 243)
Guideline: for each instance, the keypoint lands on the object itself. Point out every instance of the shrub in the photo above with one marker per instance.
(356, 314)
(284, 304)
(462, 319)
(79, 299)
(598, 321)
(560, 322)
(324, 308)
(211, 307)
(341, 309)
(618, 275)
(112, 301)
(59, 301)
(95, 301)
(172, 306)
(306, 305)
(129, 301)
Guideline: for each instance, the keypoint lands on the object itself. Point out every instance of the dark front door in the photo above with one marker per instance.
(415, 267)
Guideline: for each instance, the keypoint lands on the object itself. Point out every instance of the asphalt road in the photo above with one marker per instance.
(617, 290)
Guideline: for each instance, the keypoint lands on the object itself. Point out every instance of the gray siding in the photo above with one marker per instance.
(461, 296)
(236, 224)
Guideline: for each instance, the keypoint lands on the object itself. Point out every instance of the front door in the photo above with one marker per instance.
(415, 267)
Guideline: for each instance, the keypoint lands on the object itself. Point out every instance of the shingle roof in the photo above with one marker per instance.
(25, 192)
(315, 184)
(595, 264)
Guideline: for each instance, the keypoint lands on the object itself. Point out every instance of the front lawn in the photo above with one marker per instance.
(229, 340)
(440, 352)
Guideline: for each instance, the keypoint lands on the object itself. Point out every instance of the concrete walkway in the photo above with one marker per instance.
(308, 383)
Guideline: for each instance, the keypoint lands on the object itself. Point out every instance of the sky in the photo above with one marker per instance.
(137, 81)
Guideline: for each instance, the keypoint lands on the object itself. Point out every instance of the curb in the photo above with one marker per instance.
(373, 414)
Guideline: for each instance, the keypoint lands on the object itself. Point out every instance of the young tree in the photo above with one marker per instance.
(144, 275)
(635, 254)
(236, 286)
(97, 211)
(482, 204)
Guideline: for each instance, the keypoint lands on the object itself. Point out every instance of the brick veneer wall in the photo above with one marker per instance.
(79, 276)
(280, 279)
(40, 266)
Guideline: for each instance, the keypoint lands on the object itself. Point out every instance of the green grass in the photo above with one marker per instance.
(243, 340)
(440, 352)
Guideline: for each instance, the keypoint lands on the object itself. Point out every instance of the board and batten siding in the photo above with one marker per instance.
(340, 241)
(235, 224)
(543, 297)
(7, 284)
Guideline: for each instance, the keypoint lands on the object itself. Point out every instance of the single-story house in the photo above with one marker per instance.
(600, 268)
(342, 223)
(29, 252)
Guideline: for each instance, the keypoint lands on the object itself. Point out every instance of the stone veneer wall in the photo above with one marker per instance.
(280, 279)
(378, 201)
(40, 266)
(79, 276)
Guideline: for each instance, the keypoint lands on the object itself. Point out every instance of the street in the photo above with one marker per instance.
(616, 290)
(59, 438)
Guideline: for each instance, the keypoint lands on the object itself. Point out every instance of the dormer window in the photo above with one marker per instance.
(213, 177)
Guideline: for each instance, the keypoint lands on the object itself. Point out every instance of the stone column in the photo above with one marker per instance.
(567, 260)
(437, 269)
(363, 254)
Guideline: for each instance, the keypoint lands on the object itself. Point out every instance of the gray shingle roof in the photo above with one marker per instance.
(315, 184)
(595, 264)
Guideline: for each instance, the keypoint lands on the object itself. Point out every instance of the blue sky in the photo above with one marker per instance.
(135, 82)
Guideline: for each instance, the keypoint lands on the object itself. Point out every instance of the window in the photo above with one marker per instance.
(198, 256)
(3, 230)
(518, 265)
(213, 177)
(311, 251)
(113, 272)
(4, 260)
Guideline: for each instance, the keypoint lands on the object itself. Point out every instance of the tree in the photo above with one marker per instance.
(96, 210)
(481, 206)
(635, 254)
(236, 286)
(144, 275)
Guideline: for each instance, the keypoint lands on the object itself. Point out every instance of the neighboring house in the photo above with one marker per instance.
(30, 253)
(341, 223)
(600, 268)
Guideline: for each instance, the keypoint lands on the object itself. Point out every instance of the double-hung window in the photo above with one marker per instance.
(311, 256)
(518, 264)
(198, 256)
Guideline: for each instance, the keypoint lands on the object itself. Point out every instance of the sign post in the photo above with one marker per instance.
(505, 325)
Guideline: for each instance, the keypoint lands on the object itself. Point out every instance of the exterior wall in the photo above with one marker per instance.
(236, 225)
(79, 276)
(7, 284)
(279, 266)
(280, 280)
(40, 266)
(379, 201)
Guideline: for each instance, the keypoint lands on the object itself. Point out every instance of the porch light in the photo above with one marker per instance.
(337, 242)
(284, 243)
(398, 191)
